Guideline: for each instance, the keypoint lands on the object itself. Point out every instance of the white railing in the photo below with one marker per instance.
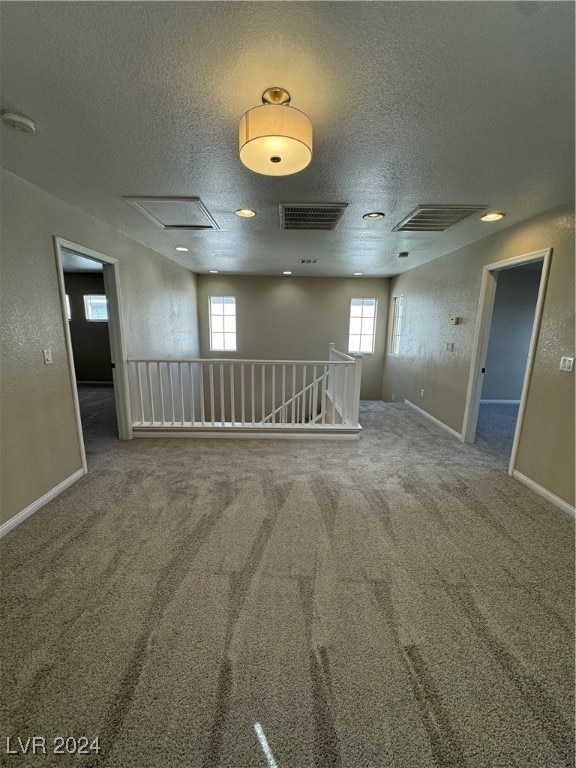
(261, 395)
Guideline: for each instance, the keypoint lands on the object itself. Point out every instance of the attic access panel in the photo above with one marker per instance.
(309, 216)
(175, 212)
(436, 218)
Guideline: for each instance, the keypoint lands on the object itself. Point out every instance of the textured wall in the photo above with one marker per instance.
(295, 318)
(38, 431)
(451, 286)
(90, 340)
(510, 333)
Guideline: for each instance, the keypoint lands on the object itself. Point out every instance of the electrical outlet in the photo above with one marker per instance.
(421, 393)
(566, 364)
(449, 346)
(393, 396)
(47, 356)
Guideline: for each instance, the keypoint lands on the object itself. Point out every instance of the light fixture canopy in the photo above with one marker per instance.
(287, 272)
(181, 248)
(494, 216)
(374, 216)
(245, 213)
(275, 139)
(357, 274)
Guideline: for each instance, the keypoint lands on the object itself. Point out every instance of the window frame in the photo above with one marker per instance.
(88, 308)
(396, 325)
(363, 335)
(224, 333)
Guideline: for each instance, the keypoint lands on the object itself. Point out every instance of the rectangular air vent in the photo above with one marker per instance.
(174, 212)
(436, 218)
(308, 261)
(311, 215)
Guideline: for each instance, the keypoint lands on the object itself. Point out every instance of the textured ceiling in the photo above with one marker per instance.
(432, 102)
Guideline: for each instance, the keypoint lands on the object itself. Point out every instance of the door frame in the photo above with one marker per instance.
(116, 332)
(481, 338)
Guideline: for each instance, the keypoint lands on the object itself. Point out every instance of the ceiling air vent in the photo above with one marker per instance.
(436, 218)
(311, 215)
(175, 212)
(308, 261)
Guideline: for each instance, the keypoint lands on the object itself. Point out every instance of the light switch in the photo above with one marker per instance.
(566, 364)
(48, 356)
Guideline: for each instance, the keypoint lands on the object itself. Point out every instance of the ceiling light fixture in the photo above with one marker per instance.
(495, 216)
(213, 271)
(182, 248)
(275, 139)
(287, 272)
(19, 122)
(374, 216)
(357, 274)
(245, 213)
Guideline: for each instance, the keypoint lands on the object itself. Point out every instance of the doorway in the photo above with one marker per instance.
(90, 301)
(511, 300)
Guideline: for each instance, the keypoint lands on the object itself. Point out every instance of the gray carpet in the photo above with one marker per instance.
(495, 430)
(399, 602)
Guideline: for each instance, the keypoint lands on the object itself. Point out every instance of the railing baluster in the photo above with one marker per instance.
(323, 405)
(181, 393)
(171, 390)
(232, 403)
(211, 375)
(253, 394)
(192, 409)
(159, 370)
(283, 420)
(242, 394)
(149, 372)
(202, 403)
(139, 372)
(314, 395)
(303, 409)
(222, 407)
(293, 393)
(273, 394)
(263, 392)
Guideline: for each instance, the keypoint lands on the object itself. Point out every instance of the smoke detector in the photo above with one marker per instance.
(19, 122)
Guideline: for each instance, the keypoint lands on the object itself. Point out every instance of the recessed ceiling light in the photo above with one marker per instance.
(357, 274)
(213, 271)
(182, 248)
(287, 272)
(374, 216)
(492, 216)
(246, 213)
(19, 122)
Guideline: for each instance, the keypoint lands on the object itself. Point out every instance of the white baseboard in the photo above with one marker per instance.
(499, 402)
(436, 421)
(36, 505)
(556, 500)
(229, 435)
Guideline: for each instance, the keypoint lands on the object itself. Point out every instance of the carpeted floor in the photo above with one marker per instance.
(399, 602)
(495, 430)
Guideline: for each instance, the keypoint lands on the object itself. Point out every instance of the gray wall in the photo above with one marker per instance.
(38, 435)
(296, 318)
(510, 332)
(451, 286)
(90, 340)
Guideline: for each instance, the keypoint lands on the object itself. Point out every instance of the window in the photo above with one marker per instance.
(96, 308)
(68, 309)
(223, 323)
(362, 326)
(396, 329)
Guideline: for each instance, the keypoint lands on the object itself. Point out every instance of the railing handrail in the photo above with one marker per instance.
(344, 356)
(235, 360)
